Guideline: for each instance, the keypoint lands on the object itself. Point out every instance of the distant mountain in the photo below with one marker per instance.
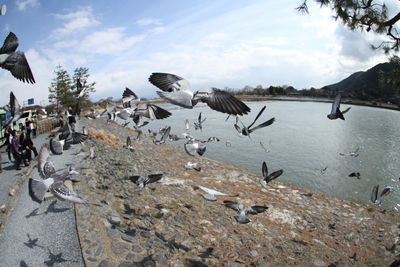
(365, 84)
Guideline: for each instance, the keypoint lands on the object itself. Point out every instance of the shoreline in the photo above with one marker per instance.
(253, 98)
(170, 223)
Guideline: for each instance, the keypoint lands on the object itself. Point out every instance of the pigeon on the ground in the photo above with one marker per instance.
(335, 111)
(15, 62)
(177, 90)
(242, 218)
(192, 165)
(193, 148)
(211, 193)
(141, 181)
(129, 144)
(269, 177)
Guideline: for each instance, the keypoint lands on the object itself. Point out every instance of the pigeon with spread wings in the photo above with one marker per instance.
(141, 181)
(269, 177)
(15, 62)
(177, 90)
(335, 111)
(243, 212)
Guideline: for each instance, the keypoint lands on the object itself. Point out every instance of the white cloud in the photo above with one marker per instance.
(109, 41)
(148, 21)
(23, 5)
(74, 22)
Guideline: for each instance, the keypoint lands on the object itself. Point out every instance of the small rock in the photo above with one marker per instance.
(254, 253)
(114, 220)
(128, 238)
(319, 262)
(3, 208)
(103, 263)
(91, 259)
(11, 192)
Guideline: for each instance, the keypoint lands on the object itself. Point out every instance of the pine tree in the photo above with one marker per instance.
(60, 88)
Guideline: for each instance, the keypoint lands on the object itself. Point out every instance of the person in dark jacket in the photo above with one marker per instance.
(8, 137)
(17, 151)
(27, 144)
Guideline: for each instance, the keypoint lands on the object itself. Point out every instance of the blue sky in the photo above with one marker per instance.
(210, 43)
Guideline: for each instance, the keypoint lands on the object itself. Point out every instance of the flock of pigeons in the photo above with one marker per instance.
(175, 90)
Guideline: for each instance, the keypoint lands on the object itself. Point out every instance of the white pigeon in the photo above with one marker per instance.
(211, 193)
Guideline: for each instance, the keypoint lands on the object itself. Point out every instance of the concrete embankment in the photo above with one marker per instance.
(170, 223)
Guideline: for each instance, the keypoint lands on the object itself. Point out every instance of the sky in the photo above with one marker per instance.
(214, 43)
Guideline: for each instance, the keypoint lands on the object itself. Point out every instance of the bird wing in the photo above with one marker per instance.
(374, 194)
(264, 169)
(17, 64)
(45, 167)
(179, 98)
(273, 175)
(232, 205)
(128, 95)
(255, 209)
(336, 103)
(15, 107)
(262, 125)
(56, 147)
(169, 82)
(10, 44)
(62, 192)
(191, 148)
(77, 138)
(258, 115)
(347, 109)
(152, 178)
(221, 101)
(134, 178)
(124, 113)
(38, 188)
(157, 113)
(212, 191)
(166, 134)
(128, 141)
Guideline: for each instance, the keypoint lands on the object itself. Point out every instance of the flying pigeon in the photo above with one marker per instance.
(355, 174)
(269, 177)
(351, 154)
(335, 111)
(211, 193)
(374, 195)
(193, 148)
(3, 10)
(242, 218)
(141, 181)
(14, 108)
(199, 124)
(177, 90)
(247, 130)
(15, 62)
(129, 99)
(45, 166)
(387, 190)
(162, 136)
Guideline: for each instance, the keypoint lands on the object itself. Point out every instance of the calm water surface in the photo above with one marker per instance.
(302, 141)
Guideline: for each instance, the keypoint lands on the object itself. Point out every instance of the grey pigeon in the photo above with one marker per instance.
(15, 62)
(243, 212)
(246, 130)
(162, 136)
(193, 148)
(335, 111)
(211, 193)
(141, 181)
(177, 91)
(269, 177)
(374, 195)
(199, 124)
(129, 144)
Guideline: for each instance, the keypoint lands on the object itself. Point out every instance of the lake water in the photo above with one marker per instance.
(303, 141)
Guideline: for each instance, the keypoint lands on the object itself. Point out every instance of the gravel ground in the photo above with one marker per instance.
(38, 234)
(170, 224)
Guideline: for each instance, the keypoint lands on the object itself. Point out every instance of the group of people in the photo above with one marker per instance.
(20, 145)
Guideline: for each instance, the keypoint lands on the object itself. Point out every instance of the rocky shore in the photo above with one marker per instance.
(169, 223)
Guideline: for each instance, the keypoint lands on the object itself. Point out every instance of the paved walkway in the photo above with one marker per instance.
(38, 234)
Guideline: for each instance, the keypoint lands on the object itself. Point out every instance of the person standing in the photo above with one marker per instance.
(27, 123)
(27, 144)
(8, 137)
(17, 151)
(71, 118)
